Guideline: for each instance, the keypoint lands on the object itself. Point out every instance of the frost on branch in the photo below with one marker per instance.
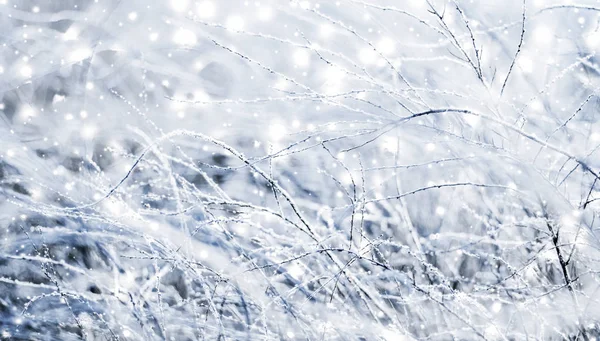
(299, 170)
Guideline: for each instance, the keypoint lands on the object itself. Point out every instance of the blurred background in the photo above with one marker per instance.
(299, 170)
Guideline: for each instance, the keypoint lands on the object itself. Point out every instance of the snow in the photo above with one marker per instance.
(26, 71)
(299, 170)
(235, 22)
(182, 37)
(206, 9)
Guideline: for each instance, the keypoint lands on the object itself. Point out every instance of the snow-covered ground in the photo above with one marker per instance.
(299, 170)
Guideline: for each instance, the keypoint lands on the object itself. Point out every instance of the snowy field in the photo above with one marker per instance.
(299, 170)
